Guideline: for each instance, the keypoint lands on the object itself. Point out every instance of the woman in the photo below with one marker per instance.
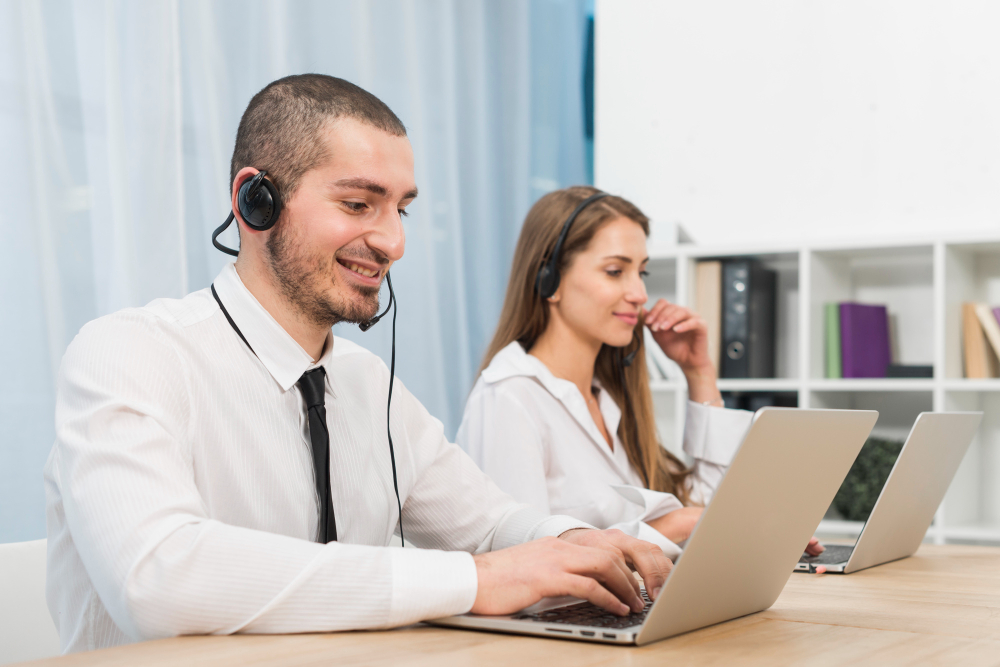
(545, 418)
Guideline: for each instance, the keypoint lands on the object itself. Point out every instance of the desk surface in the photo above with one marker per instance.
(941, 606)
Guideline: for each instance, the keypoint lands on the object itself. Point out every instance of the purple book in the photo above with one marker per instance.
(864, 340)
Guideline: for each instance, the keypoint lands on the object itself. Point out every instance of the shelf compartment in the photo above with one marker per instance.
(973, 499)
(897, 410)
(901, 278)
(972, 273)
(661, 283)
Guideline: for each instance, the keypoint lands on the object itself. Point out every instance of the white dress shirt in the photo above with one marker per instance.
(532, 433)
(180, 493)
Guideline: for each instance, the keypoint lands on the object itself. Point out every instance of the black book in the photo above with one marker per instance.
(749, 292)
(909, 371)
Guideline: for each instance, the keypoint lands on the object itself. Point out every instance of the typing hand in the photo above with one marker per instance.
(814, 548)
(589, 564)
(678, 525)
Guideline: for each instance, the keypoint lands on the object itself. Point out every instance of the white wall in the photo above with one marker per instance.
(774, 121)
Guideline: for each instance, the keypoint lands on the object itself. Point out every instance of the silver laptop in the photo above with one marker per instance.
(781, 481)
(915, 487)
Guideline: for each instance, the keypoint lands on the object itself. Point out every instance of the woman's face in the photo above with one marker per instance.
(601, 292)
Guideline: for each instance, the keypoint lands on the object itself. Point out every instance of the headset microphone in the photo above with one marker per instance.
(365, 326)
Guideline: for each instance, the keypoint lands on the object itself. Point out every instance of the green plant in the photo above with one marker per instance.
(858, 493)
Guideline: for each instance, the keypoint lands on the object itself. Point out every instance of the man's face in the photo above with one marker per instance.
(342, 229)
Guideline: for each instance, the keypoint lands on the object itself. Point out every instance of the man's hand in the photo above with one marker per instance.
(678, 525)
(590, 564)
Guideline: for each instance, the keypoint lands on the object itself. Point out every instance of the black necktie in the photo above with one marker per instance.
(312, 384)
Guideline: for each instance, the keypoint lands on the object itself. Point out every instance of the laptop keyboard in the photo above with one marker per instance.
(834, 553)
(587, 613)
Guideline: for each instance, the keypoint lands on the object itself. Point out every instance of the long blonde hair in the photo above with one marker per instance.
(525, 316)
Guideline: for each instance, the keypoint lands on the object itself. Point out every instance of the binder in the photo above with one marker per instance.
(748, 319)
(708, 304)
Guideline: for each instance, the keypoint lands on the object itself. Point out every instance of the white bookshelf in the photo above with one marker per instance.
(923, 282)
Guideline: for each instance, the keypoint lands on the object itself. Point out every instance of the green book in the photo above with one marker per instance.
(833, 368)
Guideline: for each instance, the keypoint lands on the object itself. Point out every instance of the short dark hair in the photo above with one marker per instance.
(280, 129)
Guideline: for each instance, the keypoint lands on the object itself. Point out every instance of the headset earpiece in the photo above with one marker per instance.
(259, 206)
(259, 202)
(547, 280)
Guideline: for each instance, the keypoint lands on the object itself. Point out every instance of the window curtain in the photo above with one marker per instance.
(118, 121)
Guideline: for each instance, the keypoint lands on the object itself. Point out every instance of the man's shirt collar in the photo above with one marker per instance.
(281, 355)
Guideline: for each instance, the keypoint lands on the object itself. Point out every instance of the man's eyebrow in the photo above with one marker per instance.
(362, 184)
(371, 186)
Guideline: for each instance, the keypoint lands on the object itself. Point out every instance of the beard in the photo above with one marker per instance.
(305, 277)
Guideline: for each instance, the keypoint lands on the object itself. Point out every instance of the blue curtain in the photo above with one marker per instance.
(118, 124)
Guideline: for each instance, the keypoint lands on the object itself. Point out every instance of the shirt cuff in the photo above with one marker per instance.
(714, 434)
(652, 535)
(431, 584)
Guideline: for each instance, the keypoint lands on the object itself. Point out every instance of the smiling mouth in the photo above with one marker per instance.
(360, 270)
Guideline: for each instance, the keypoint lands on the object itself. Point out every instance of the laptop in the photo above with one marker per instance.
(905, 507)
(781, 481)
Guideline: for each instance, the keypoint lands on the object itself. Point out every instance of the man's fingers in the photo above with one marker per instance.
(651, 565)
(612, 572)
(588, 589)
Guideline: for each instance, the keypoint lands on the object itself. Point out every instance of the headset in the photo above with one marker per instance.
(547, 282)
(260, 207)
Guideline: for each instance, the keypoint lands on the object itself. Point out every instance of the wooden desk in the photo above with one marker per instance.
(941, 606)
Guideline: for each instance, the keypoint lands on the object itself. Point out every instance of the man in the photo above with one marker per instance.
(182, 494)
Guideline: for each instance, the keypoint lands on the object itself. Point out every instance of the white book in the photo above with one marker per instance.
(668, 369)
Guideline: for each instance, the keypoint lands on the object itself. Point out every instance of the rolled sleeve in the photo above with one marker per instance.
(714, 434)
(654, 504)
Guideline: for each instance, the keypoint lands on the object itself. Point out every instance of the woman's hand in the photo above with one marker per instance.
(814, 548)
(678, 525)
(683, 337)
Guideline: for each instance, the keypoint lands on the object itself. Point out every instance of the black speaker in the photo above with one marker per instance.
(749, 293)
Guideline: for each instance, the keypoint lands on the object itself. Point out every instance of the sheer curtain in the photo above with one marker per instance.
(118, 120)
